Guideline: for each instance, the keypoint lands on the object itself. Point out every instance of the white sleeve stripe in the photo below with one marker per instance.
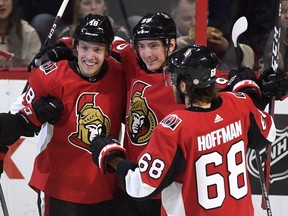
(272, 132)
(135, 186)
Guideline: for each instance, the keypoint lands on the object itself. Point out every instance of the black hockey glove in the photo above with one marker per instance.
(274, 84)
(46, 109)
(58, 51)
(103, 149)
(3, 151)
(245, 80)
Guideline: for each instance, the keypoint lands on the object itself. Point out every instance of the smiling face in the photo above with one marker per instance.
(153, 53)
(90, 57)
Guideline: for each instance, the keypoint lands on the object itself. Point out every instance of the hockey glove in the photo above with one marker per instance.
(46, 109)
(60, 50)
(3, 151)
(245, 80)
(105, 148)
(274, 84)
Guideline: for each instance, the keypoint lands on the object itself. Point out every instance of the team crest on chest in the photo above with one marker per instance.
(140, 120)
(91, 122)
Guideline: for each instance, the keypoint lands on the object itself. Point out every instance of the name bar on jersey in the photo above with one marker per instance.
(220, 136)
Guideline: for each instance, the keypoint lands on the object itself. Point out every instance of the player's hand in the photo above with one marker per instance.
(58, 51)
(37, 60)
(105, 148)
(3, 151)
(245, 80)
(274, 84)
(46, 109)
(242, 78)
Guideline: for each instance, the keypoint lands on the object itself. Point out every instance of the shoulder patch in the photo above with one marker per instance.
(48, 67)
(171, 121)
(238, 94)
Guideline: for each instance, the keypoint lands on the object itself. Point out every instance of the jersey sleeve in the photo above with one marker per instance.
(262, 128)
(42, 81)
(158, 165)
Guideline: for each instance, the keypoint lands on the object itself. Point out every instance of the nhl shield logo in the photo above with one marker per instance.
(279, 158)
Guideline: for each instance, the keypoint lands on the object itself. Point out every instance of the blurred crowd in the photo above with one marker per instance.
(25, 24)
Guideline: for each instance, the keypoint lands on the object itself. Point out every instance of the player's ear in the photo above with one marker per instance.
(172, 46)
(183, 87)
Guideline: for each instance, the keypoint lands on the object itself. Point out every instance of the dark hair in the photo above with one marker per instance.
(204, 95)
(14, 19)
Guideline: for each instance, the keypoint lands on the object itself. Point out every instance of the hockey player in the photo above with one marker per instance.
(196, 156)
(92, 90)
(148, 100)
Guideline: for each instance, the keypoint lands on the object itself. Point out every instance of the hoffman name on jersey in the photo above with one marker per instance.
(220, 136)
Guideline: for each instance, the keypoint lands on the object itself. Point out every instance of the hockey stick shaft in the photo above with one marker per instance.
(56, 22)
(274, 65)
(265, 196)
(3, 202)
(52, 30)
(124, 12)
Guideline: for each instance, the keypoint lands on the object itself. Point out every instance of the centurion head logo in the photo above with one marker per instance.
(140, 120)
(279, 158)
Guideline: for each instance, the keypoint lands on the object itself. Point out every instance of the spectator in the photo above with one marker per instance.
(92, 105)
(184, 12)
(198, 168)
(18, 38)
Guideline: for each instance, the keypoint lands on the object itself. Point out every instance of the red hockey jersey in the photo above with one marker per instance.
(197, 159)
(64, 168)
(148, 101)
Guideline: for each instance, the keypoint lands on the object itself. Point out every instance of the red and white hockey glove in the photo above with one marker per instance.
(245, 80)
(103, 149)
(46, 109)
(60, 50)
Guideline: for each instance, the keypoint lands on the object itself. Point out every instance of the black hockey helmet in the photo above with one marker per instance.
(196, 61)
(95, 28)
(155, 26)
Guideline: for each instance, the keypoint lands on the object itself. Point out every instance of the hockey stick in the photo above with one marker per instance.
(265, 197)
(274, 65)
(122, 6)
(56, 22)
(239, 27)
(49, 36)
(3, 203)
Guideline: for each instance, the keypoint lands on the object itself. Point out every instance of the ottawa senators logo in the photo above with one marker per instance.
(279, 158)
(141, 120)
(48, 67)
(172, 121)
(91, 122)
